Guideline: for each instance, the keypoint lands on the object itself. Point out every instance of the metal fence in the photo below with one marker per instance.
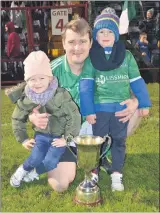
(36, 30)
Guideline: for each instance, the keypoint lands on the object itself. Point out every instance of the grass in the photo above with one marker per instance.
(141, 173)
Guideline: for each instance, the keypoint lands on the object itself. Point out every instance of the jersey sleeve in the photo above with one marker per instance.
(86, 90)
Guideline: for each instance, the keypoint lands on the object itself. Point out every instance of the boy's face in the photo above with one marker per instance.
(76, 46)
(143, 38)
(39, 83)
(105, 37)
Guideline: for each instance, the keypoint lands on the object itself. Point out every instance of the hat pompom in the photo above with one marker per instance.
(109, 20)
(109, 10)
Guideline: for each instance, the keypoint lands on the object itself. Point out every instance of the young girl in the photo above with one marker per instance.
(42, 89)
(116, 72)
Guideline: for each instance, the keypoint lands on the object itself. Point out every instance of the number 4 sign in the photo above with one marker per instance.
(59, 17)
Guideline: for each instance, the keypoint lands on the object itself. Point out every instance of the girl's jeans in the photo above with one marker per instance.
(86, 129)
(44, 151)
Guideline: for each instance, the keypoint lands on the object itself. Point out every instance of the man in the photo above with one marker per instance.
(69, 69)
(148, 25)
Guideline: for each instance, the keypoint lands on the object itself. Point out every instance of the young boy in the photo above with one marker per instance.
(116, 72)
(143, 45)
(42, 89)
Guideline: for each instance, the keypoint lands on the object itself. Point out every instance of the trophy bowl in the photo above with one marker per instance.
(88, 156)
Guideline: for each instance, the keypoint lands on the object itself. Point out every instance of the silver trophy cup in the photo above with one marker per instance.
(88, 157)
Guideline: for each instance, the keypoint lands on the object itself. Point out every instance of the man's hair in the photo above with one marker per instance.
(79, 26)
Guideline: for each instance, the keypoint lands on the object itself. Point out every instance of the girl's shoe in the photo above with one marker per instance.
(31, 176)
(17, 177)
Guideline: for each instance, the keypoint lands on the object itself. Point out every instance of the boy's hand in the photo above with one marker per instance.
(143, 112)
(59, 142)
(91, 119)
(28, 144)
(145, 41)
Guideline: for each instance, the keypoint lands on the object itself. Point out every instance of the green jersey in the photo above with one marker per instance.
(67, 79)
(114, 86)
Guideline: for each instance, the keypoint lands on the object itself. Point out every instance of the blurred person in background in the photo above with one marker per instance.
(13, 42)
(147, 25)
(143, 46)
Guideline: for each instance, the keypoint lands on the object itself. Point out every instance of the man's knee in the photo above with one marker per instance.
(72, 177)
(58, 186)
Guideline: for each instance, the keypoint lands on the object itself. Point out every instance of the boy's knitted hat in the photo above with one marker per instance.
(37, 63)
(107, 19)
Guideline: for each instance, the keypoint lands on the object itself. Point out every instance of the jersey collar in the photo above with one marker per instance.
(66, 65)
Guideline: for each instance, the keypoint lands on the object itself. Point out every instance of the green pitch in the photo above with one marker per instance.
(141, 172)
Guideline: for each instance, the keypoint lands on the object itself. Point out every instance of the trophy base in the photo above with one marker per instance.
(98, 202)
(88, 196)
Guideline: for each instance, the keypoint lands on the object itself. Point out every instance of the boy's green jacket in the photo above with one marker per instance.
(64, 116)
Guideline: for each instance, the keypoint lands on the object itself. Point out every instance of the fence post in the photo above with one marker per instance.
(86, 11)
(29, 29)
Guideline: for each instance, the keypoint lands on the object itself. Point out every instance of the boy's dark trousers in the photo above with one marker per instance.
(44, 151)
(107, 123)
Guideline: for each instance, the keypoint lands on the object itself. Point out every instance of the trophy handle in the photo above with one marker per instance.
(109, 145)
(69, 138)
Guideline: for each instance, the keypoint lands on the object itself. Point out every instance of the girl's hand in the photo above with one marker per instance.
(28, 144)
(59, 142)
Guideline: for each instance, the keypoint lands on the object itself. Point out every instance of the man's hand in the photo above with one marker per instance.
(59, 142)
(126, 114)
(29, 144)
(143, 112)
(91, 119)
(39, 120)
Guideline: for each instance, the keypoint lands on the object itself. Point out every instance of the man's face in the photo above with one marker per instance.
(105, 37)
(76, 46)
